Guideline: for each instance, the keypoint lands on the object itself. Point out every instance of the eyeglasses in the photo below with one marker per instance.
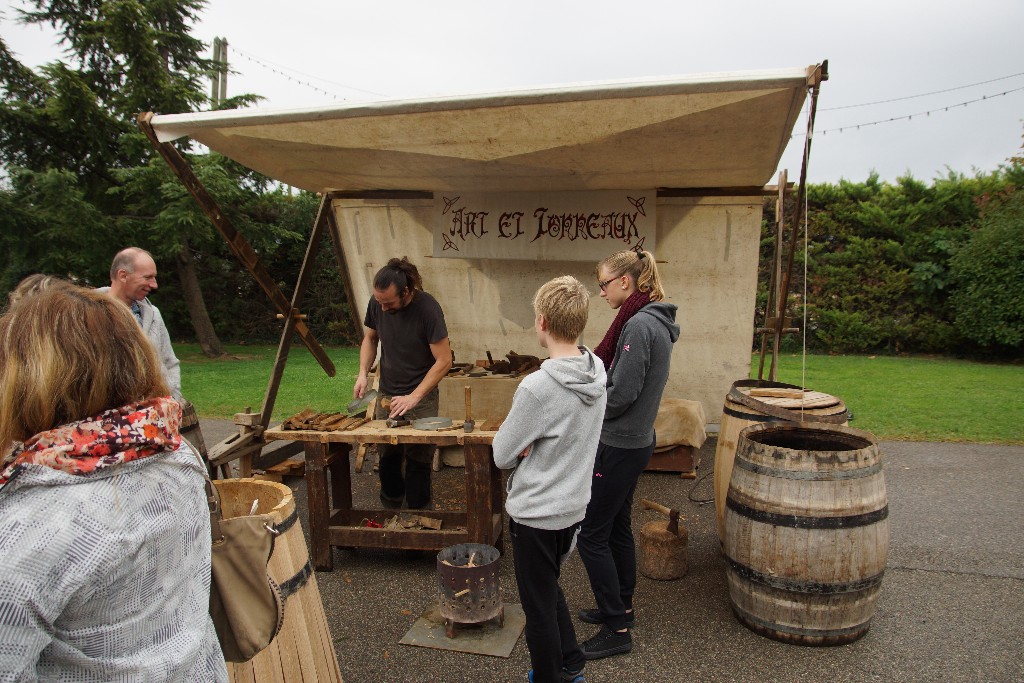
(605, 283)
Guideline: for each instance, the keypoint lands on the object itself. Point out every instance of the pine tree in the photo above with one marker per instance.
(83, 181)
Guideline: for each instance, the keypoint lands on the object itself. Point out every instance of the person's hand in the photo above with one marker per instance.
(526, 451)
(360, 387)
(400, 405)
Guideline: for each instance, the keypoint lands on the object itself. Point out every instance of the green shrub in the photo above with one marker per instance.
(846, 331)
(988, 301)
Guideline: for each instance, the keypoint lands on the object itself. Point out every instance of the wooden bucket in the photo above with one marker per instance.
(807, 532)
(742, 410)
(303, 650)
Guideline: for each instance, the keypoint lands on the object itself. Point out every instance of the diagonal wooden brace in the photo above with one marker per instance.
(239, 246)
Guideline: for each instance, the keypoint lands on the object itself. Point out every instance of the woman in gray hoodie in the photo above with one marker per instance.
(636, 350)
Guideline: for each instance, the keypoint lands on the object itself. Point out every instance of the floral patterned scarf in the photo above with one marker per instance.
(112, 438)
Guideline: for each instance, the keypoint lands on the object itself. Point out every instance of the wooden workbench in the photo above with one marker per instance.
(333, 521)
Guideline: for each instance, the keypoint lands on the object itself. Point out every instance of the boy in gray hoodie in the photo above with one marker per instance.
(550, 440)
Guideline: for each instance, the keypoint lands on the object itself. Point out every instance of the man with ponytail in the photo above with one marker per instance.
(415, 356)
(636, 350)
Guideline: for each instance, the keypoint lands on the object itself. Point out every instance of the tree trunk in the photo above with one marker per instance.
(197, 312)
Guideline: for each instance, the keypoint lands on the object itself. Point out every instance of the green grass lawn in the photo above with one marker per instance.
(918, 399)
(896, 398)
(222, 387)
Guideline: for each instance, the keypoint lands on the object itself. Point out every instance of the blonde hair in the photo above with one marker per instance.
(641, 267)
(33, 284)
(564, 302)
(68, 353)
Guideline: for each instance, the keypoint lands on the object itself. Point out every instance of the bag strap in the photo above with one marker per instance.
(212, 501)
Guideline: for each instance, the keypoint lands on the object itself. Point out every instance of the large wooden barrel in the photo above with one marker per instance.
(807, 532)
(303, 651)
(742, 410)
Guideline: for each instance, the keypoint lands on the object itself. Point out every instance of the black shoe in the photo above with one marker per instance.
(573, 676)
(567, 677)
(593, 616)
(391, 503)
(607, 643)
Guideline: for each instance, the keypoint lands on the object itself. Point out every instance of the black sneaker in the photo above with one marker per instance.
(391, 502)
(567, 676)
(573, 676)
(593, 616)
(607, 643)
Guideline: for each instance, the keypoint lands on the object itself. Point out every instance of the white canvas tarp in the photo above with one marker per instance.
(709, 130)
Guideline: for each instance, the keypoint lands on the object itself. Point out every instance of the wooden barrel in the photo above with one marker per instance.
(742, 410)
(807, 532)
(304, 649)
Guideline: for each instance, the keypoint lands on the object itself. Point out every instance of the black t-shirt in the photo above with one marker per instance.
(405, 338)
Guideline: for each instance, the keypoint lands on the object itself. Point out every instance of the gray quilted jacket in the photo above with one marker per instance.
(106, 577)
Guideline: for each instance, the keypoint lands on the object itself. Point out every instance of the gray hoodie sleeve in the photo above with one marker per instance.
(629, 371)
(519, 430)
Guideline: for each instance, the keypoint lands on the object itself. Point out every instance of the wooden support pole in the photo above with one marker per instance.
(778, 293)
(239, 246)
(292, 321)
(770, 306)
(814, 85)
(778, 300)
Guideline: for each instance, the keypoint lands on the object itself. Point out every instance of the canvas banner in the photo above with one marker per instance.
(549, 226)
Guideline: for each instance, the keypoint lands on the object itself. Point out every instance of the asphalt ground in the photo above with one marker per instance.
(951, 607)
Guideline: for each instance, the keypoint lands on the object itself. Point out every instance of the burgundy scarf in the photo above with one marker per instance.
(606, 349)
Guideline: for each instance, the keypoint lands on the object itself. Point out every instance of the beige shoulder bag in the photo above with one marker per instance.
(246, 605)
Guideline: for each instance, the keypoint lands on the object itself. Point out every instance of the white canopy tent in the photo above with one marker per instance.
(706, 145)
(709, 130)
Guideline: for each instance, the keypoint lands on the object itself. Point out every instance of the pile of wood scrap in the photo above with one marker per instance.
(310, 420)
(517, 364)
(459, 369)
(413, 522)
(469, 564)
(288, 468)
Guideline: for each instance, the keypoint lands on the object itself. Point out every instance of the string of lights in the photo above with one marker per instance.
(926, 94)
(280, 70)
(908, 117)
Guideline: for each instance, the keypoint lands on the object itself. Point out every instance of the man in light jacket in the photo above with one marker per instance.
(132, 278)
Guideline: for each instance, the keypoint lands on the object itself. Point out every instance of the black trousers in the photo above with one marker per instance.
(606, 538)
(411, 482)
(538, 555)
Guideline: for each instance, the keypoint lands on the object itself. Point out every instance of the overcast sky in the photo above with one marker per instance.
(313, 52)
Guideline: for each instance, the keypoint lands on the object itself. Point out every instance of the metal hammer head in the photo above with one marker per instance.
(468, 425)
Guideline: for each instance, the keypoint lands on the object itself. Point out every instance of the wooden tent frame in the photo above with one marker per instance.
(776, 322)
(249, 441)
